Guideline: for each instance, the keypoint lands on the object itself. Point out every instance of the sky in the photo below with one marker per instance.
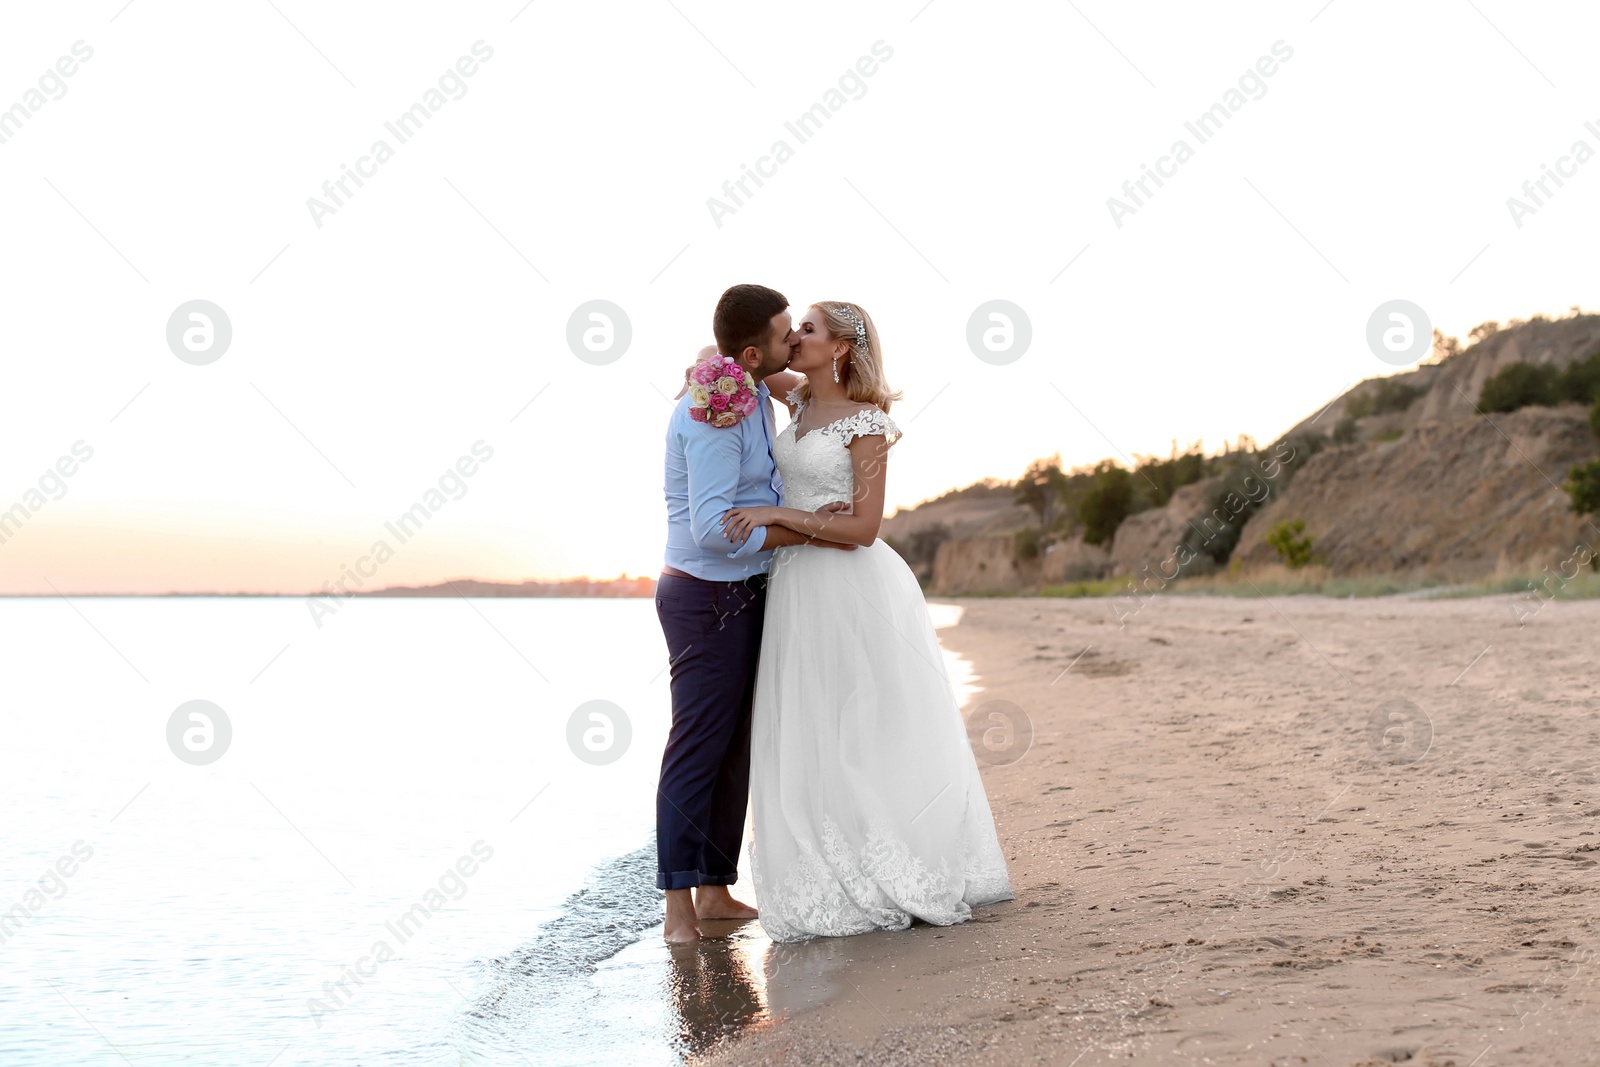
(970, 153)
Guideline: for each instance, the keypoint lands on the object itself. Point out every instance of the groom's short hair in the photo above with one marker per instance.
(744, 317)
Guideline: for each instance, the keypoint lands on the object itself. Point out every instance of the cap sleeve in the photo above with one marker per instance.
(870, 421)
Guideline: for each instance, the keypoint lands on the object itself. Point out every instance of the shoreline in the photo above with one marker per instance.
(1217, 853)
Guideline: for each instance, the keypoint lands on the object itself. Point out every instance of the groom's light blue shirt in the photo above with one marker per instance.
(708, 472)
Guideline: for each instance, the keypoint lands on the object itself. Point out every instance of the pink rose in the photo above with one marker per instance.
(718, 402)
(706, 373)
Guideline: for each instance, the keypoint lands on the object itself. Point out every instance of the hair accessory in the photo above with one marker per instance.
(860, 324)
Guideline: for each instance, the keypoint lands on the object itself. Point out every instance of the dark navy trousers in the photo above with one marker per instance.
(713, 632)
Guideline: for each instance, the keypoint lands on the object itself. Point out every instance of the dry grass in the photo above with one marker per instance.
(1316, 580)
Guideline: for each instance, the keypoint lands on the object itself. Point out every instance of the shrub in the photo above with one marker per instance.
(1583, 485)
(1293, 549)
(1105, 503)
(1518, 386)
(1230, 505)
(920, 547)
(1388, 395)
(1580, 381)
(1346, 432)
(1522, 384)
(1025, 545)
(1306, 444)
(1160, 478)
(1594, 418)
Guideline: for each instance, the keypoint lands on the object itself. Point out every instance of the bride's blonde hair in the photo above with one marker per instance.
(862, 374)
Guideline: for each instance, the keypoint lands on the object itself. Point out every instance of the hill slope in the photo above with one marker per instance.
(1456, 500)
(1423, 484)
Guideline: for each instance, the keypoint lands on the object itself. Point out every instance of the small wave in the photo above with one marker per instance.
(536, 995)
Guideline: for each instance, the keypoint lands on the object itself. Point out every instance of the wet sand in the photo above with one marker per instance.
(1233, 841)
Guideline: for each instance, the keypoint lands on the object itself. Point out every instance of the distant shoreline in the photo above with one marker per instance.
(394, 596)
(567, 589)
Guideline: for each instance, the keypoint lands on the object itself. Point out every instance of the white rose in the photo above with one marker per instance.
(727, 386)
(698, 395)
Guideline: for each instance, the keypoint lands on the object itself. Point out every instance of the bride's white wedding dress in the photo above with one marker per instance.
(868, 811)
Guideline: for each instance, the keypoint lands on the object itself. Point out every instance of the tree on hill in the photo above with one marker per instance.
(1040, 490)
(1107, 501)
(1160, 478)
(1443, 347)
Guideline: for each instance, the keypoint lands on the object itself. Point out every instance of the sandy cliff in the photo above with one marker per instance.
(1436, 488)
(1450, 499)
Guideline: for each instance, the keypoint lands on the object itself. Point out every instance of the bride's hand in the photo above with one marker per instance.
(705, 353)
(738, 524)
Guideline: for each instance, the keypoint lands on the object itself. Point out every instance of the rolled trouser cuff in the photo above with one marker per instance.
(690, 879)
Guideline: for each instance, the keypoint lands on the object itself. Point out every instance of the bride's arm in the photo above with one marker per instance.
(782, 536)
(780, 383)
(705, 353)
(859, 526)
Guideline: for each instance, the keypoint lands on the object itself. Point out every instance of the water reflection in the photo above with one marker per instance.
(596, 985)
(720, 988)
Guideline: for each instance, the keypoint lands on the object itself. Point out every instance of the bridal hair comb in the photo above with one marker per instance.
(860, 324)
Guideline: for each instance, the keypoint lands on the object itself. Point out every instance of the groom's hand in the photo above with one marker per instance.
(740, 523)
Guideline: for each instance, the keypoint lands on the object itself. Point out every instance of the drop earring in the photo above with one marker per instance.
(836, 370)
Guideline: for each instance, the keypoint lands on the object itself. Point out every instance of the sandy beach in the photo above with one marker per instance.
(1234, 841)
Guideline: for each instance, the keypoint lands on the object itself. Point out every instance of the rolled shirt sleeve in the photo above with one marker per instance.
(712, 457)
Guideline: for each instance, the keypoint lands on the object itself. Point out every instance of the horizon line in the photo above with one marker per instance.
(415, 591)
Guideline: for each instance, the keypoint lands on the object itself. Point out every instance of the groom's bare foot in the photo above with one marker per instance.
(715, 902)
(682, 926)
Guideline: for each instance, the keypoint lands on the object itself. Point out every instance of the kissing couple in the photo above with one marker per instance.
(806, 678)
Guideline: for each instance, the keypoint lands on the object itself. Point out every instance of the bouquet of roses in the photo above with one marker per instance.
(720, 391)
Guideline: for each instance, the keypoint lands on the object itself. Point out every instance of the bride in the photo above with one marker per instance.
(868, 811)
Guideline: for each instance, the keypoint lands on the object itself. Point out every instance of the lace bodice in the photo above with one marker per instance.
(816, 468)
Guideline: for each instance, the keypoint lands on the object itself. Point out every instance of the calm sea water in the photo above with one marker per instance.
(407, 852)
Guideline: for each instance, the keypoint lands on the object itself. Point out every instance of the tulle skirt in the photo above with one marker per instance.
(867, 807)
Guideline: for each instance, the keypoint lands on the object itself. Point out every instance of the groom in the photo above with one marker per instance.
(710, 602)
